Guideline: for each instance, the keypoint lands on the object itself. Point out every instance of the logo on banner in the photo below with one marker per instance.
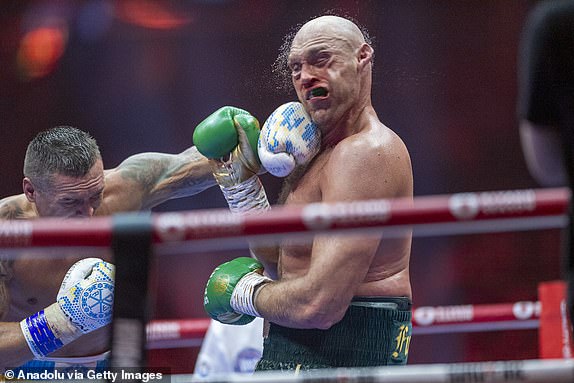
(321, 216)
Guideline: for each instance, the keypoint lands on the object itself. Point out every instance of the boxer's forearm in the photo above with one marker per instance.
(14, 350)
(297, 304)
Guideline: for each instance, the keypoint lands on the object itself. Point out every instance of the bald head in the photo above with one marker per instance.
(330, 32)
(330, 64)
(335, 27)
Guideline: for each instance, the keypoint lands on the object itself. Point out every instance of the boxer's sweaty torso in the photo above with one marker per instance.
(369, 332)
(388, 272)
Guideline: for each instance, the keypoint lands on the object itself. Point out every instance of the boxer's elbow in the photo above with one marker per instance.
(322, 313)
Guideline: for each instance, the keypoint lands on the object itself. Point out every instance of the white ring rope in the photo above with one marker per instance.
(514, 371)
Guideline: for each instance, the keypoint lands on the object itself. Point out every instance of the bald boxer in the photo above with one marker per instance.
(340, 301)
(64, 177)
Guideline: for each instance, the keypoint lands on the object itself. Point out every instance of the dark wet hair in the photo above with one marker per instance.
(61, 150)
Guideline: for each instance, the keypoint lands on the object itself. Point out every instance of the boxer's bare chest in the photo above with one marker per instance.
(33, 285)
(301, 189)
(304, 186)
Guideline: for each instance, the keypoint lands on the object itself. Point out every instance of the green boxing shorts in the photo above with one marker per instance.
(375, 331)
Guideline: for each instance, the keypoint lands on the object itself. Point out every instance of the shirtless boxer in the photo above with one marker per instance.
(64, 177)
(342, 300)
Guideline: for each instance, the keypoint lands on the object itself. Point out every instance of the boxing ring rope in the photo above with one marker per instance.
(516, 371)
(168, 333)
(479, 212)
(461, 213)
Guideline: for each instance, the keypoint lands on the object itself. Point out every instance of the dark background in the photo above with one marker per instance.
(139, 75)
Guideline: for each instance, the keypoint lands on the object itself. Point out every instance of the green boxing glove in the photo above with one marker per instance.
(228, 138)
(230, 291)
(217, 135)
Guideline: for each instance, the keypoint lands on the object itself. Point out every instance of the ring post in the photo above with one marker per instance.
(554, 334)
(132, 249)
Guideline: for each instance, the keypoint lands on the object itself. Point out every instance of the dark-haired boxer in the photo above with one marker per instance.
(64, 177)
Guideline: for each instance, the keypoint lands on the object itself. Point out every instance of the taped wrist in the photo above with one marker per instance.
(243, 296)
(247, 196)
(48, 330)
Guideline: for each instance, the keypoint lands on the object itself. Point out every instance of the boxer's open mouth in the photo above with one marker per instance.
(317, 92)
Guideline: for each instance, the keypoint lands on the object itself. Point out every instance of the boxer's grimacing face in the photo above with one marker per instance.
(68, 197)
(323, 63)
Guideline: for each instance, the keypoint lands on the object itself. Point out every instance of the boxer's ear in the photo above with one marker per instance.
(29, 190)
(365, 55)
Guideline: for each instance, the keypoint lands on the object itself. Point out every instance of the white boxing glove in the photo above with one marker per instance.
(84, 304)
(288, 139)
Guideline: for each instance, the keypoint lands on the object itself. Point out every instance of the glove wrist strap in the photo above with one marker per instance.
(48, 330)
(243, 296)
(248, 196)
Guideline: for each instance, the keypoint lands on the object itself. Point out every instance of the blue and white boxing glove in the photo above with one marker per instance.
(84, 304)
(289, 138)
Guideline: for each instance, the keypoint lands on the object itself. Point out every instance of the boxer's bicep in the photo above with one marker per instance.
(340, 262)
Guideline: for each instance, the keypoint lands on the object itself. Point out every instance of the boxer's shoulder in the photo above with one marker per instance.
(377, 144)
(122, 193)
(16, 207)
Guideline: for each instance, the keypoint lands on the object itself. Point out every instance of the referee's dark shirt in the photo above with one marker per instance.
(546, 94)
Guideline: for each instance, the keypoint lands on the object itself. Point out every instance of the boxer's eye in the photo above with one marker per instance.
(321, 59)
(68, 202)
(295, 68)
